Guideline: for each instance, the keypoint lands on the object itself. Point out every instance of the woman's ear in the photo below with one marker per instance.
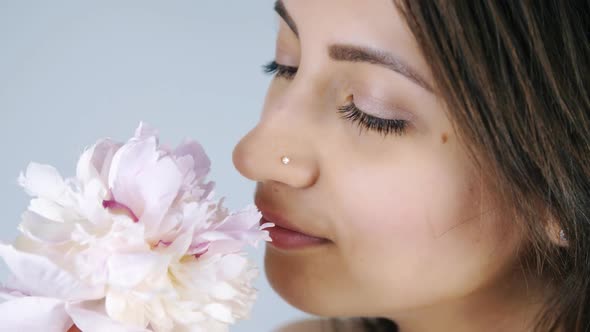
(555, 233)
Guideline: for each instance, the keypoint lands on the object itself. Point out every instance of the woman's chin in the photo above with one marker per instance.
(303, 282)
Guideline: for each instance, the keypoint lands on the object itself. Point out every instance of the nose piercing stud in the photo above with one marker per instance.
(285, 160)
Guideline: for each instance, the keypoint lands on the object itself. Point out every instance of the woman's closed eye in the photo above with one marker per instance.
(369, 122)
(349, 111)
(278, 70)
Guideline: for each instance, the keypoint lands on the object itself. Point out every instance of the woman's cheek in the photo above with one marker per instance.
(385, 213)
(407, 211)
(386, 237)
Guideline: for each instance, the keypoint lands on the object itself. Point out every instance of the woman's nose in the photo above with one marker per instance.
(261, 155)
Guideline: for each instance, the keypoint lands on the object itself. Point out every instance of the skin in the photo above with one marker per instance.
(414, 234)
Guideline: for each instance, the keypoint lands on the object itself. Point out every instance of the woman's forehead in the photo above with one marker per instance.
(377, 24)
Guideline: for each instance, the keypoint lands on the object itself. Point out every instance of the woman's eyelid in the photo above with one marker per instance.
(381, 108)
(286, 53)
(285, 59)
(286, 64)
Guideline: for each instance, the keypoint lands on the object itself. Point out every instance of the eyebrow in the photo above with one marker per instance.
(282, 11)
(353, 53)
(365, 54)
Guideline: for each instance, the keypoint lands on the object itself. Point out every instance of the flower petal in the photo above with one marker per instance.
(158, 186)
(144, 131)
(42, 181)
(31, 313)
(246, 219)
(160, 321)
(201, 163)
(42, 277)
(90, 316)
(128, 270)
(49, 209)
(220, 312)
(41, 229)
(126, 308)
(130, 160)
(95, 162)
(223, 291)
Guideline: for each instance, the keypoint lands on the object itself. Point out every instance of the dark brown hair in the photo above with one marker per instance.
(514, 76)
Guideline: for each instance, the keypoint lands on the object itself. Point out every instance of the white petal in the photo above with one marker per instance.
(220, 312)
(43, 181)
(180, 246)
(231, 266)
(47, 208)
(126, 308)
(10, 293)
(91, 203)
(126, 235)
(207, 326)
(44, 278)
(95, 162)
(224, 247)
(185, 313)
(84, 168)
(128, 270)
(90, 316)
(159, 319)
(34, 314)
(217, 235)
(223, 291)
(45, 230)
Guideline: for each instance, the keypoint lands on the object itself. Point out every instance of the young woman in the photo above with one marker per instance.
(428, 164)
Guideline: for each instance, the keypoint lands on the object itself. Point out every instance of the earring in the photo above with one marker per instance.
(562, 235)
(285, 160)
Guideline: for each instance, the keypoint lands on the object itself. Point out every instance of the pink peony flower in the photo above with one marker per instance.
(133, 242)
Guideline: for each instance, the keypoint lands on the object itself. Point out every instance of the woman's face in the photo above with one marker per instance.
(410, 224)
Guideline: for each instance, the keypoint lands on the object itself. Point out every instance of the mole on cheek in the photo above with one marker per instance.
(445, 138)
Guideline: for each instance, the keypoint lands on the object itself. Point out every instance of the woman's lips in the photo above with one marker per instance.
(286, 238)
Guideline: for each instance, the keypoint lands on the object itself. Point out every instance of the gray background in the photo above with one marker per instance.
(75, 71)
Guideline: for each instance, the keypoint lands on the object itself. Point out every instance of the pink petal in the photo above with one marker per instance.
(96, 161)
(130, 160)
(144, 131)
(224, 247)
(115, 207)
(234, 232)
(207, 190)
(201, 163)
(241, 221)
(198, 249)
(158, 186)
(34, 314)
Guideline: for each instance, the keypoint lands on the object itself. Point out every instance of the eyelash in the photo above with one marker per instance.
(286, 72)
(350, 111)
